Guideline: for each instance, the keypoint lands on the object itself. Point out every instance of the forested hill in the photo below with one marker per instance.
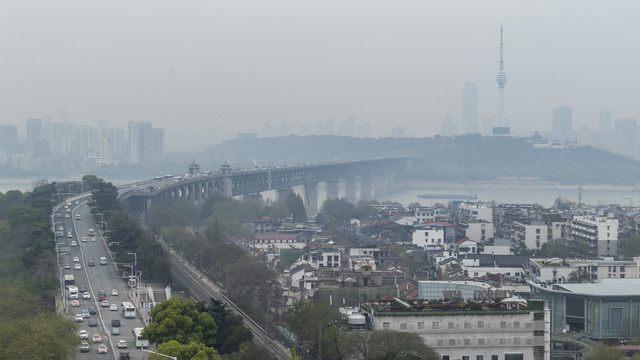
(460, 159)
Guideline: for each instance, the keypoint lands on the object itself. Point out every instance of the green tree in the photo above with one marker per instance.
(231, 330)
(579, 276)
(295, 205)
(307, 319)
(603, 352)
(563, 204)
(630, 244)
(554, 249)
(254, 287)
(386, 344)
(193, 351)
(179, 320)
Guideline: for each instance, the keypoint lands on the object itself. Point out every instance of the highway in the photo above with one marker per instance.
(94, 278)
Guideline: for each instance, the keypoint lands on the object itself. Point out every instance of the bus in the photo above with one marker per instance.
(140, 341)
(69, 280)
(128, 310)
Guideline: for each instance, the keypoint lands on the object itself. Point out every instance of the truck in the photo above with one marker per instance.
(91, 232)
(73, 292)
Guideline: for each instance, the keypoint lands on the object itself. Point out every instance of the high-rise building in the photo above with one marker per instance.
(146, 144)
(9, 139)
(562, 124)
(34, 133)
(469, 120)
(626, 137)
(604, 135)
(449, 126)
(501, 79)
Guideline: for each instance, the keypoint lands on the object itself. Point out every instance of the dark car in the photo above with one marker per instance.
(92, 310)
(90, 263)
(115, 323)
(124, 355)
(93, 322)
(82, 288)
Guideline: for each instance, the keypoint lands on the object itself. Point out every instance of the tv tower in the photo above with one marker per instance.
(501, 79)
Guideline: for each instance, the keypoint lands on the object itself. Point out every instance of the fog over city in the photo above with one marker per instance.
(206, 70)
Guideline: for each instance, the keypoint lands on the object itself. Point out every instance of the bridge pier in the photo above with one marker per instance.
(350, 189)
(311, 195)
(379, 184)
(333, 188)
(282, 194)
(366, 181)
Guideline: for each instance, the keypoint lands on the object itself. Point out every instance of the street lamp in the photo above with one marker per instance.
(135, 261)
(157, 353)
(69, 190)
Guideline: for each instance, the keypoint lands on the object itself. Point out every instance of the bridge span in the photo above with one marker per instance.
(356, 179)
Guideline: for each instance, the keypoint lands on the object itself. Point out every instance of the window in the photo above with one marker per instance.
(503, 341)
(467, 325)
(615, 319)
(465, 357)
(537, 231)
(452, 342)
(467, 342)
(516, 341)
(503, 324)
(421, 325)
(480, 341)
(452, 325)
(403, 326)
(513, 356)
(516, 324)
(493, 357)
(621, 268)
(386, 326)
(479, 357)
(441, 343)
(445, 357)
(435, 325)
(480, 324)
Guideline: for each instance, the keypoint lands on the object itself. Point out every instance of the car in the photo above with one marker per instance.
(122, 344)
(93, 239)
(84, 347)
(93, 322)
(97, 338)
(92, 310)
(60, 228)
(113, 307)
(66, 216)
(104, 303)
(102, 295)
(83, 334)
(84, 239)
(66, 266)
(86, 295)
(75, 303)
(115, 323)
(69, 234)
(115, 331)
(124, 355)
(102, 349)
(114, 292)
(77, 202)
(58, 215)
(82, 288)
(77, 267)
(76, 259)
(74, 243)
(85, 314)
(90, 263)
(68, 203)
(79, 318)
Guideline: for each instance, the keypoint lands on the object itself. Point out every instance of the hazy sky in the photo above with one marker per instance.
(205, 70)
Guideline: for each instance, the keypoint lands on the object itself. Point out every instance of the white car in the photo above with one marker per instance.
(76, 259)
(84, 334)
(77, 202)
(114, 292)
(77, 267)
(86, 295)
(79, 318)
(113, 307)
(84, 239)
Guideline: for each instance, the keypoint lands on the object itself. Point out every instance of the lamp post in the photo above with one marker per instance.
(69, 190)
(135, 261)
(157, 353)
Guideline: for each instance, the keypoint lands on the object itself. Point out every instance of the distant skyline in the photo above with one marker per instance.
(205, 71)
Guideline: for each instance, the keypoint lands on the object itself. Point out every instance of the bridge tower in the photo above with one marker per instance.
(194, 169)
(227, 185)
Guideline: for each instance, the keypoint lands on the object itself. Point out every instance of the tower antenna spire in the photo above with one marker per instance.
(501, 61)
